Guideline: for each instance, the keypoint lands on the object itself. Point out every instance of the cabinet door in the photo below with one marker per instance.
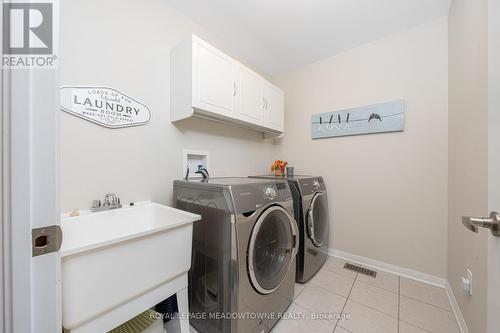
(214, 83)
(274, 107)
(251, 96)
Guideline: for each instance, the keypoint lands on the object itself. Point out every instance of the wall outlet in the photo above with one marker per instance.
(467, 282)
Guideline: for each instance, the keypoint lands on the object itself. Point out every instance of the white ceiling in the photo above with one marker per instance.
(280, 35)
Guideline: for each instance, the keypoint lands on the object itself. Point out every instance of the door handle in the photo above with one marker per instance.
(492, 222)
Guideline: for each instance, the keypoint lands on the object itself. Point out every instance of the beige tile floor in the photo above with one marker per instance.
(386, 304)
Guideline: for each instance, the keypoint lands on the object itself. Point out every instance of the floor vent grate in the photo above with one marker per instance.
(361, 270)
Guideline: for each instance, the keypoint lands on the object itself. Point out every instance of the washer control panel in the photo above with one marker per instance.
(270, 193)
(276, 192)
(249, 197)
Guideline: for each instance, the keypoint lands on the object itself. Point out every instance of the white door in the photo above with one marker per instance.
(30, 192)
(493, 221)
(494, 162)
(274, 107)
(215, 85)
(251, 99)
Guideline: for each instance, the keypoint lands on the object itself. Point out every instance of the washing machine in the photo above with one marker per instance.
(312, 215)
(242, 274)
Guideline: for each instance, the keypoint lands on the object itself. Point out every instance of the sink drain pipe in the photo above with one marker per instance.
(168, 308)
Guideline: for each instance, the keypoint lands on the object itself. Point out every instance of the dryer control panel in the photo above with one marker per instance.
(311, 185)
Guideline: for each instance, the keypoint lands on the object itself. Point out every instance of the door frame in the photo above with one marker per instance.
(30, 286)
(493, 301)
(4, 322)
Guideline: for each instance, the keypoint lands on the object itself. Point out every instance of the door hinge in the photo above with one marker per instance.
(46, 240)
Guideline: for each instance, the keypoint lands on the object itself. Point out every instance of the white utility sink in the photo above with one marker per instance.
(120, 262)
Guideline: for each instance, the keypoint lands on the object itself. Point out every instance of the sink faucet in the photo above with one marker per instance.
(111, 201)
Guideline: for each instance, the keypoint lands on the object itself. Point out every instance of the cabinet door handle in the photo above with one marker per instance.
(234, 88)
(264, 103)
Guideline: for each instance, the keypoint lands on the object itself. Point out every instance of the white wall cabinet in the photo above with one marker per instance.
(207, 83)
(215, 74)
(274, 107)
(251, 96)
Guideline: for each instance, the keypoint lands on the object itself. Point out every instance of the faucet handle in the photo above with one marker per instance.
(111, 201)
(107, 200)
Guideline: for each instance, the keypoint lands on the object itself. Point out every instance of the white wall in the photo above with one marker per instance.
(387, 192)
(126, 45)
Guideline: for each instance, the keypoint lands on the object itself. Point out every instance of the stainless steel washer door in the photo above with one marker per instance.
(317, 220)
(273, 245)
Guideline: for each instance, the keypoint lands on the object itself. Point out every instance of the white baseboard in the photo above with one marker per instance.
(382, 266)
(407, 273)
(456, 309)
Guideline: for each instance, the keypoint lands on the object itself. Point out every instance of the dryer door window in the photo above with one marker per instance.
(271, 249)
(317, 220)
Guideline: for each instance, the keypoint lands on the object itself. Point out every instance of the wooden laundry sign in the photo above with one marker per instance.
(378, 118)
(104, 106)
